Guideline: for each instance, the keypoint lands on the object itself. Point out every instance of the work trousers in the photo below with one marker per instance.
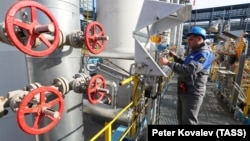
(188, 105)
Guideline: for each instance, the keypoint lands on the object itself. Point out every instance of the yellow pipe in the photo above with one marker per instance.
(127, 80)
(135, 99)
(247, 102)
(111, 122)
(214, 70)
(108, 132)
(135, 95)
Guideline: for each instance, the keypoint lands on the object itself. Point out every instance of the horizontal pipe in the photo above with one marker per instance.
(114, 55)
(104, 112)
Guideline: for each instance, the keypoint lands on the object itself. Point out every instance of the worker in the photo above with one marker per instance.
(193, 73)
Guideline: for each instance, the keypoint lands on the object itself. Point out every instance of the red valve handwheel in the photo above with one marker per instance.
(92, 32)
(94, 96)
(11, 22)
(37, 110)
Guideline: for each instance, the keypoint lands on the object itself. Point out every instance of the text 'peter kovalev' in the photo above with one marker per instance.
(199, 133)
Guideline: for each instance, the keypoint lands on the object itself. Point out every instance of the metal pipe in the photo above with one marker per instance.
(3, 36)
(114, 55)
(104, 112)
(113, 121)
(111, 71)
(114, 90)
(116, 65)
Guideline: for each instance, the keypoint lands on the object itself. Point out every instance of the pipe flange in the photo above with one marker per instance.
(3, 111)
(32, 86)
(62, 84)
(3, 35)
(15, 98)
(76, 39)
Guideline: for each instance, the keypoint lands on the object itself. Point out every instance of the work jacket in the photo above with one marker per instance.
(194, 70)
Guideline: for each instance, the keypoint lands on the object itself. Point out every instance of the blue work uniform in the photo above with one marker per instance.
(193, 74)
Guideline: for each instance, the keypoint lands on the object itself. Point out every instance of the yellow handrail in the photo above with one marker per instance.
(109, 125)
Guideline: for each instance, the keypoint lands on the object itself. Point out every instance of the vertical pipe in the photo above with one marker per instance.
(173, 36)
(210, 22)
(195, 17)
(94, 9)
(179, 31)
(222, 21)
(63, 62)
(247, 11)
(179, 35)
(154, 102)
(119, 19)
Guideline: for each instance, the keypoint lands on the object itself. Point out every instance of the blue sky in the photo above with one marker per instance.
(200, 4)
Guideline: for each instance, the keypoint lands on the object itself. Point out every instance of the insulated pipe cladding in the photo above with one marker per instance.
(64, 61)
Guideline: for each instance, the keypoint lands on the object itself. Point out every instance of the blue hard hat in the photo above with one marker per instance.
(198, 31)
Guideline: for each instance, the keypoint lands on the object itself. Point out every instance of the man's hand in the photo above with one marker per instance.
(163, 61)
(172, 54)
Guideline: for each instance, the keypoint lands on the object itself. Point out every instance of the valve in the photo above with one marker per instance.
(78, 85)
(62, 85)
(96, 89)
(95, 38)
(43, 109)
(31, 30)
(3, 111)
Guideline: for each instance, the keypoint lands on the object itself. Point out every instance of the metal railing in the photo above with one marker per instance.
(108, 127)
(107, 130)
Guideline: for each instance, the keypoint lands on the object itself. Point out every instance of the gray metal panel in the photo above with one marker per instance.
(163, 15)
(142, 56)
